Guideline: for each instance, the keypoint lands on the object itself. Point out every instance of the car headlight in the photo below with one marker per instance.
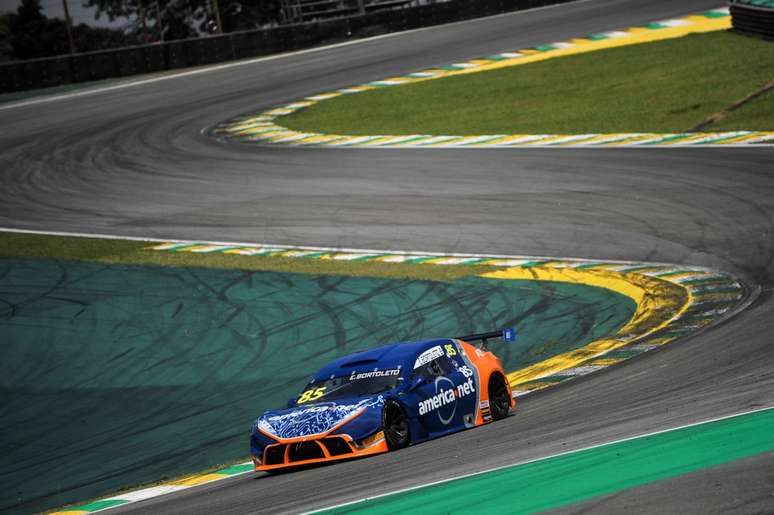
(263, 426)
(365, 442)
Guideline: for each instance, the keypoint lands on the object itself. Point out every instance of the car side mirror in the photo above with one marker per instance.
(509, 335)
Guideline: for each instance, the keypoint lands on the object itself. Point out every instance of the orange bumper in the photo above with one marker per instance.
(296, 453)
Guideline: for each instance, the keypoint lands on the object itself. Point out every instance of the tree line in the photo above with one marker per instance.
(28, 34)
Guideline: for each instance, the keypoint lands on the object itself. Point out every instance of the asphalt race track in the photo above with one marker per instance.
(134, 162)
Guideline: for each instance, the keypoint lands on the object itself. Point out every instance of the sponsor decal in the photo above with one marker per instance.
(311, 395)
(445, 396)
(306, 411)
(428, 356)
(312, 420)
(375, 373)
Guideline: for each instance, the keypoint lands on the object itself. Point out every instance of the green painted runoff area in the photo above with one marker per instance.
(665, 86)
(119, 375)
(562, 480)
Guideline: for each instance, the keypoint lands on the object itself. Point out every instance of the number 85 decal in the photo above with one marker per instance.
(311, 395)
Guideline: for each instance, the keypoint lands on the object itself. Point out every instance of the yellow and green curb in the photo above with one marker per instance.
(155, 491)
(265, 127)
(672, 301)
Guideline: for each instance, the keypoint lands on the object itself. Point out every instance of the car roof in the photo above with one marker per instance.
(393, 355)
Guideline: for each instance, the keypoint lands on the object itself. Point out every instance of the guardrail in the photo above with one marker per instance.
(299, 11)
(124, 62)
(753, 17)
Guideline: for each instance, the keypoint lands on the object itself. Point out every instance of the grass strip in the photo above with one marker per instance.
(665, 86)
(757, 114)
(722, 115)
(127, 252)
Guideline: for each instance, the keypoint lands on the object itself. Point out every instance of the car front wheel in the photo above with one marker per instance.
(395, 425)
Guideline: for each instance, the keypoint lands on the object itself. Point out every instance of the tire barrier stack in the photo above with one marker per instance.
(755, 17)
(124, 62)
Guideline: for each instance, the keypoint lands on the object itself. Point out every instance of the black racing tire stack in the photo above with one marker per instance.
(753, 17)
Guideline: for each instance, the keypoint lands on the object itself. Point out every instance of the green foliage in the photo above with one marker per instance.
(178, 17)
(6, 50)
(167, 20)
(28, 34)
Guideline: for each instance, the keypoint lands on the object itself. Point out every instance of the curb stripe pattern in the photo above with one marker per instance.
(263, 128)
(695, 298)
(155, 491)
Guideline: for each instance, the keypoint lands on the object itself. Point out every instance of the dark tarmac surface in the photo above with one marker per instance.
(134, 162)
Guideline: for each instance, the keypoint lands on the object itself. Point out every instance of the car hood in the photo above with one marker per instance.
(314, 419)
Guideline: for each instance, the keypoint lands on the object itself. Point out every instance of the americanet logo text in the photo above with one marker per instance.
(444, 397)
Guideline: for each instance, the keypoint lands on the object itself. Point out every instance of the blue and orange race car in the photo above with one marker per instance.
(385, 399)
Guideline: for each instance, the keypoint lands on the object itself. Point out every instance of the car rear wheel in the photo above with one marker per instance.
(499, 399)
(395, 425)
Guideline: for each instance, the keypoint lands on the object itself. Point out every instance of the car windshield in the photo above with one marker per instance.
(356, 384)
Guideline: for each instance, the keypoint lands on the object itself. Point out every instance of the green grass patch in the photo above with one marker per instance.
(756, 114)
(666, 86)
(126, 252)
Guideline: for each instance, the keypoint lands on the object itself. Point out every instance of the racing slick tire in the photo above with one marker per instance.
(499, 400)
(395, 425)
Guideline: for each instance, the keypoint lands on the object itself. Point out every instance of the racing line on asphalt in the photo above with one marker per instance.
(136, 164)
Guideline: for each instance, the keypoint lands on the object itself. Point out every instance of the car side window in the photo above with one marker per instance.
(441, 366)
(446, 365)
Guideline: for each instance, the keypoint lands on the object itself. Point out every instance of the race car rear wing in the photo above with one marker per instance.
(508, 335)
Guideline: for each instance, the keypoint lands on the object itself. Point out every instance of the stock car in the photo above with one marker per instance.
(385, 399)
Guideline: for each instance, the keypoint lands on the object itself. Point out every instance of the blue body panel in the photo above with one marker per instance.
(436, 385)
(387, 356)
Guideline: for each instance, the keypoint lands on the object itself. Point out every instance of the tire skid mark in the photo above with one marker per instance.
(666, 304)
(234, 301)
